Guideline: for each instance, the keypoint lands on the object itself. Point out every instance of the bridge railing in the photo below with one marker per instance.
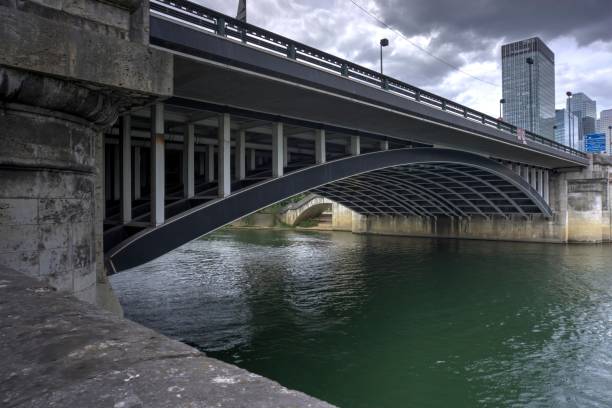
(217, 23)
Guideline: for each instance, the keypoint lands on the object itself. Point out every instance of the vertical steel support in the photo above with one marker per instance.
(320, 153)
(157, 165)
(277, 149)
(285, 151)
(384, 145)
(546, 187)
(252, 159)
(224, 154)
(188, 161)
(240, 155)
(210, 163)
(117, 171)
(201, 163)
(533, 178)
(540, 180)
(355, 146)
(137, 176)
(126, 166)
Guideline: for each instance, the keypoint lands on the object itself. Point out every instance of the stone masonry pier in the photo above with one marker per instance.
(58, 351)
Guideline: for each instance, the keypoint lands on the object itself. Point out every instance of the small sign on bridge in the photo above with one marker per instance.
(595, 143)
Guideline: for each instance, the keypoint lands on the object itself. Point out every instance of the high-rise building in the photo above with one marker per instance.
(586, 110)
(605, 125)
(529, 65)
(605, 121)
(566, 129)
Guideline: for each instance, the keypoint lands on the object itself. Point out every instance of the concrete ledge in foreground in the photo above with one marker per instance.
(56, 351)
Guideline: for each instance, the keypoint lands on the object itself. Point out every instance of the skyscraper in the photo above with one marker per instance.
(529, 65)
(566, 128)
(605, 120)
(585, 110)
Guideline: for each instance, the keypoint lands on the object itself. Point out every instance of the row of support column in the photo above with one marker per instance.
(537, 178)
(280, 159)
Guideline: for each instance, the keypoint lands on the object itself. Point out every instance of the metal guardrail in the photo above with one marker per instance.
(223, 25)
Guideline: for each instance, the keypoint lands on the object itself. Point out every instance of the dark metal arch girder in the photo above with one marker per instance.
(176, 231)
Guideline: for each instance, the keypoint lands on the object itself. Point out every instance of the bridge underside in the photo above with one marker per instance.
(424, 182)
(432, 190)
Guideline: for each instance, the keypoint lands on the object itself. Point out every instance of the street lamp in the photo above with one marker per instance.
(529, 61)
(501, 102)
(383, 43)
(570, 128)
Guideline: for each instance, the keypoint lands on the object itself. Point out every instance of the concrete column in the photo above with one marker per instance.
(158, 165)
(540, 180)
(285, 151)
(210, 163)
(224, 147)
(355, 146)
(126, 166)
(252, 159)
(137, 177)
(546, 184)
(201, 164)
(384, 145)
(533, 177)
(188, 161)
(240, 155)
(320, 151)
(117, 171)
(108, 188)
(277, 149)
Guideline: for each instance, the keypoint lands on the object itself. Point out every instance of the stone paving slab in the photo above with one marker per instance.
(56, 351)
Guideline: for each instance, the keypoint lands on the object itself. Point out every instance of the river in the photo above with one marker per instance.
(385, 322)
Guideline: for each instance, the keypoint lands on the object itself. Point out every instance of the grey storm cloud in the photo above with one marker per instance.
(585, 20)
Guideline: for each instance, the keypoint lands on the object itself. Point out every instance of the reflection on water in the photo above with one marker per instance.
(371, 321)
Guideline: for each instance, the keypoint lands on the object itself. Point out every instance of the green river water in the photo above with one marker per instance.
(373, 321)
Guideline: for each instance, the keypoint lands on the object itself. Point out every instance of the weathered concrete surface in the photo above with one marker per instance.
(310, 206)
(56, 351)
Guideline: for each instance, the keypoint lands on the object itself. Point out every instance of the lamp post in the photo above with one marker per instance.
(570, 128)
(501, 102)
(383, 43)
(529, 61)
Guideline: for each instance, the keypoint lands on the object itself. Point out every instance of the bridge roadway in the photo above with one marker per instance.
(256, 118)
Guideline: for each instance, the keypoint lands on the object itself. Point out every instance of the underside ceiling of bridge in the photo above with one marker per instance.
(431, 190)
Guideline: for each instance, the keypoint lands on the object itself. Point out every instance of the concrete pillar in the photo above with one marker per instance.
(320, 151)
(158, 165)
(277, 149)
(285, 151)
(384, 145)
(210, 163)
(355, 146)
(188, 161)
(533, 177)
(201, 163)
(540, 180)
(240, 164)
(252, 159)
(223, 156)
(117, 171)
(126, 166)
(546, 187)
(137, 177)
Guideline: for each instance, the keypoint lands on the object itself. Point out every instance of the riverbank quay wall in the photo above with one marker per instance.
(58, 351)
(67, 70)
(580, 200)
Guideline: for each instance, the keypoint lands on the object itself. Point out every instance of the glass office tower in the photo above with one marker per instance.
(540, 116)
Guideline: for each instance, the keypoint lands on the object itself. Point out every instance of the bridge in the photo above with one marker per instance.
(219, 118)
(255, 118)
(131, 127)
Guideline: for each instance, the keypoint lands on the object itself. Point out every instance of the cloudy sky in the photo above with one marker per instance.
(467, 34)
